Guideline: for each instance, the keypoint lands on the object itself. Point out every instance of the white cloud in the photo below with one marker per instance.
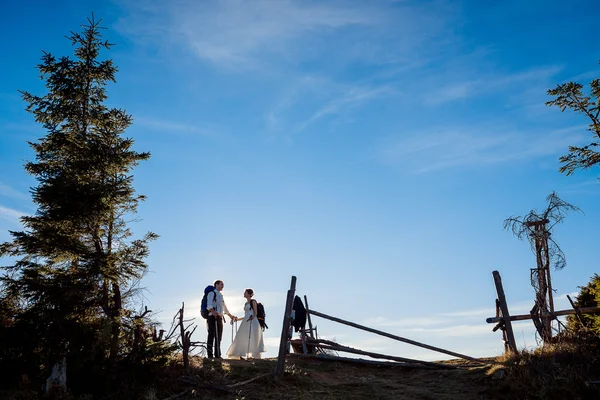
(318, 99)
(444, 148)
(235, 31)
(232, 33)
(585, 187)
(239, 34)
(10, 214)
(8, 191)
(482, 312)
(454, 331)
(290, 40)
(405, 322)
(490, 82)
(170, 127)
(305, 86)
(351, 97)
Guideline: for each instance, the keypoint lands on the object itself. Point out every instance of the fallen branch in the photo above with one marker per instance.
(174, 326)
(248, 380)
(197, 385)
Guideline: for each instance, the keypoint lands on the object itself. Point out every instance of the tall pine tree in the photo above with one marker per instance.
(76, 258)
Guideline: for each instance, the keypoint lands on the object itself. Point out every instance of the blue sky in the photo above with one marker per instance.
(371, 148)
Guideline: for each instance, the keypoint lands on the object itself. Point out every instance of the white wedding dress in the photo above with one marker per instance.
(249, 337)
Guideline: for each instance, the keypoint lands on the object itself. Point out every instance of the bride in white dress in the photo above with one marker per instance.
(249, 337)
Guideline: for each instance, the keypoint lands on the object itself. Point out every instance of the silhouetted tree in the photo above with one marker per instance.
(571, 96)
(76, 259)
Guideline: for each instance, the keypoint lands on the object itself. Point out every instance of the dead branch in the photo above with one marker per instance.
(159, 337)
(142, 315)
(173, 325)
(196, 384)
(248, 380)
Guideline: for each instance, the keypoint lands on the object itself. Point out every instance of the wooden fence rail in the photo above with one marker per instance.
(583, 310)
(389, 335)
(327, 344)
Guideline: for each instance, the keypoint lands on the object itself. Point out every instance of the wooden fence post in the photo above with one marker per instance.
(285, 329)
(303, 335)
(512, 345)
(310, 327)
(577, 311)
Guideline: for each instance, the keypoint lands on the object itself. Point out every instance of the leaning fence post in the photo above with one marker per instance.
(287, 316)
(577, 310)
(303, 336)
(310, 327)
(504, 308)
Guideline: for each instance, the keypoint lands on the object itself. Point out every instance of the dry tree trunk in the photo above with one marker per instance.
(543, 270)
(185, 343)
(115, 320)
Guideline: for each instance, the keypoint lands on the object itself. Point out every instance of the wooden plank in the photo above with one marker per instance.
(326, 344)
(389, 335)
(510, 336)
(297, 346)
(328, 357)
(381, 356)
(310, 327)
(536, 321)
(287, 317)
(303, 333)
(584, 310)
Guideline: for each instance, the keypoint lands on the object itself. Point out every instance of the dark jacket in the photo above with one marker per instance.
(299, 314)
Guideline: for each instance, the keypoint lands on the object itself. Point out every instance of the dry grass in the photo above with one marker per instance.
(308, 378)
(568, 369)
(559, 371)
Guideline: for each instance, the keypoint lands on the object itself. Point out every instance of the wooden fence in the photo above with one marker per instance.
(503, 319)
(310, 344)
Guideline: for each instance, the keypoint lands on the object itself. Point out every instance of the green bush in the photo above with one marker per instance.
(589, 296)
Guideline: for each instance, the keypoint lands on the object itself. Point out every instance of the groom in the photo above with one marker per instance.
(216, 307)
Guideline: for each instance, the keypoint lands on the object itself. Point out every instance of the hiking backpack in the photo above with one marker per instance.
(203, 305)
(261, 315)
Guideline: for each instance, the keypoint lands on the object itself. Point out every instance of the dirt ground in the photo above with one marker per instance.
(309, 378)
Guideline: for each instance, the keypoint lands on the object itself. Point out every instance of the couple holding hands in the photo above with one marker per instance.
(248, 340)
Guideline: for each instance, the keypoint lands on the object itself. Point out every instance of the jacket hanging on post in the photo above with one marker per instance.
(299, 314)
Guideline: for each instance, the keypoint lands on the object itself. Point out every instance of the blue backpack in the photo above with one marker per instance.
(203, 305)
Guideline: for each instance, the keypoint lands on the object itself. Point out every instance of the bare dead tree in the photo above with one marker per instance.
(186, 329)
(157, 336)
(184, 339)
(537, 229)
(140, 330)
